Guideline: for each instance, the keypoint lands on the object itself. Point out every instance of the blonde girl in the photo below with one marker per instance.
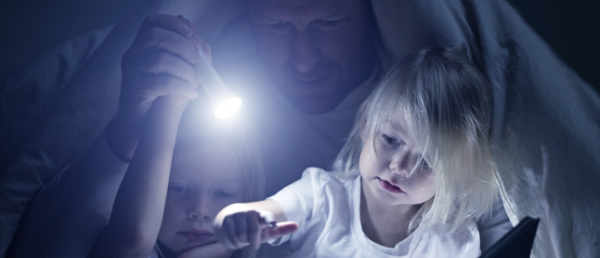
(414, 176)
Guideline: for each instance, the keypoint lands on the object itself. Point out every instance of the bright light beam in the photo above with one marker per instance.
(225, 104)
(227, 108)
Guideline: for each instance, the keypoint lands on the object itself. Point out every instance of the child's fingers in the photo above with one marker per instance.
(229, 232)
(254, 229)
(241, 229)
(280, 229)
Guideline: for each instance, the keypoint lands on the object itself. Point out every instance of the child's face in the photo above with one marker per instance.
(203, 181)
(386, 160)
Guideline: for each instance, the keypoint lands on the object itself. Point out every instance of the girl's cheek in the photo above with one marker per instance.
(174, 210)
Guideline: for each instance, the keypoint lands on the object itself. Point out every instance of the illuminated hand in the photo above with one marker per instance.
(161, 62)
(249, 229)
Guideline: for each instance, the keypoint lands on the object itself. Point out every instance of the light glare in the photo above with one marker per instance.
(227, 108)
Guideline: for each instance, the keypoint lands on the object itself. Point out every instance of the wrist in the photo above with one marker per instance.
(121, 136)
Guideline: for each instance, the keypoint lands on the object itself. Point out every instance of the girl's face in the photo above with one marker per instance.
(203, 181)
(386, 161)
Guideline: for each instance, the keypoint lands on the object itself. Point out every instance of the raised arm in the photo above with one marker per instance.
(69, 214)
(161, 65)
(137, 213)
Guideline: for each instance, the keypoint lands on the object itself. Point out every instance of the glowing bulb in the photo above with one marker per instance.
(227, 108)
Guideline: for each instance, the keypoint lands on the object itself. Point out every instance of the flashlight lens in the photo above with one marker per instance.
(227, 108)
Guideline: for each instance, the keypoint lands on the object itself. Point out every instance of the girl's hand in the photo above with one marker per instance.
(161, 62)
(249, 229)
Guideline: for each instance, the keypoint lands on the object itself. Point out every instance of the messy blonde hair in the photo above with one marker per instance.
(446, 103)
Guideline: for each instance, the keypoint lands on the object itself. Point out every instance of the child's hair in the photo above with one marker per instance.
(446, 103)
(199, 127)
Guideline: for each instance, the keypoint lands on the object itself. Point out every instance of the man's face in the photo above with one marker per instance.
(315, 52)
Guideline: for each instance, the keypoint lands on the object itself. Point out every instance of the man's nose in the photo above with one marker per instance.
(305, 55)
(402, 162)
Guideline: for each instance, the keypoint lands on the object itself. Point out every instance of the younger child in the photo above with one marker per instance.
(414, 176)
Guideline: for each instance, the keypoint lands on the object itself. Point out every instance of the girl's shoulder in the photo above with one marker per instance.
(441, 238)
(325, 179)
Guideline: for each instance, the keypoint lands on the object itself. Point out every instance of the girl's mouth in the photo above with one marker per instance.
(389, 186)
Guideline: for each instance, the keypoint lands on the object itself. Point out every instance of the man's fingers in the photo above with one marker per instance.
(280, 229)
(161, 62)
(156, 38)
(151, 86)
(170, 22)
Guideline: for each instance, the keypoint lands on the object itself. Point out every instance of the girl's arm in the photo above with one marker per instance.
(250, 224)
(137, 213)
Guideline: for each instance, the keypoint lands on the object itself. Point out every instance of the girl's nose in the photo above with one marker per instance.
(401, 162)
(199, 208)
(199, 216)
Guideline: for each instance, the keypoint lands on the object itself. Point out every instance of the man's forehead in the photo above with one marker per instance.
(287, 8)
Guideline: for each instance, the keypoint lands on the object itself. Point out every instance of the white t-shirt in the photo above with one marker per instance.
(327, 209)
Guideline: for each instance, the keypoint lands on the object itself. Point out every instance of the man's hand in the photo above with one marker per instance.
(161, 62)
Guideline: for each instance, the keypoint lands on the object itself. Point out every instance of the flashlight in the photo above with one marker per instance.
(225, 104)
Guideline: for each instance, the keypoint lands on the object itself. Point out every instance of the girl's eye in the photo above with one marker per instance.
(224, 194)
(389, 140)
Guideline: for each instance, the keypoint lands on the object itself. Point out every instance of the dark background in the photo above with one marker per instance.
(30, 27)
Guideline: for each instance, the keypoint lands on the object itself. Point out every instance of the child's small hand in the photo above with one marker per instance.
(249, 228)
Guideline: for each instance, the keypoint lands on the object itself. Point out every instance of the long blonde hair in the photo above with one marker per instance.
(446, 103)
